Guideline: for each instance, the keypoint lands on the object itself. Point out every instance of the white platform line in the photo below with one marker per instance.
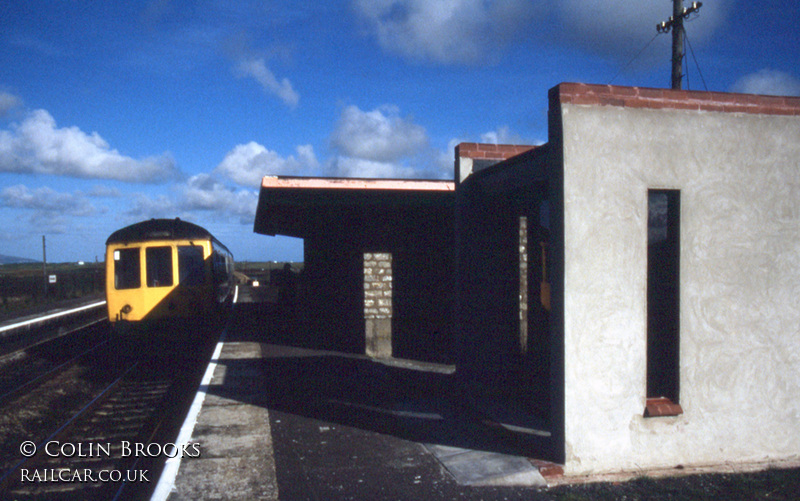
(52, 315)
(166, 482)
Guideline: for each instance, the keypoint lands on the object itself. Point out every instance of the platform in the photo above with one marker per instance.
(284, 422)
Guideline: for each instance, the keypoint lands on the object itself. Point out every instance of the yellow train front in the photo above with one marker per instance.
(166, 271)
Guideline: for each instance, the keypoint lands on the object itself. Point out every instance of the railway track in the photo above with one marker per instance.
(23, 369)
(94, 423)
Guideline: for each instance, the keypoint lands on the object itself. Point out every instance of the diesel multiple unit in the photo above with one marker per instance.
(165, 269)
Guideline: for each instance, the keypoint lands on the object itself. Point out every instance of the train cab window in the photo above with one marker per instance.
(126, 269)
(190, 265)
(159, 266)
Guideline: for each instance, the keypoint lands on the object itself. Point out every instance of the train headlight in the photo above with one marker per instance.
(126, 309)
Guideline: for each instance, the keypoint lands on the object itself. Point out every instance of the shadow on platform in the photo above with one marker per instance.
(416, 401)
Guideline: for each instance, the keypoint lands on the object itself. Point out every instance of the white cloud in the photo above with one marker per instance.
(257, 69)
(620, 29)
(46, 200)
(359, 167)
(445, 159)
(38, 146)
(201, 193)
(247, 163)
(475, 31)
(146, 206)
(8, 102)
(503, 135)
(51, 223)
(379, 135)
(444, 31)
(768, 82)
(47, 211)
(377, 143)
(104, 192)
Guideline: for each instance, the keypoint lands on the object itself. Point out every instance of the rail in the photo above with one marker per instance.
(5, 479)
(48, 373)
(51, 316)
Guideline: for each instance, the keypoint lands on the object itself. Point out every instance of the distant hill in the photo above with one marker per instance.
(15, 260)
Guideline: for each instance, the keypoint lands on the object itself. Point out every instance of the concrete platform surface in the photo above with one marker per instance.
(235, 458)
(288, 423)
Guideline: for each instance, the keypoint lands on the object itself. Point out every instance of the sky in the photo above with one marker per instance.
(116, 112)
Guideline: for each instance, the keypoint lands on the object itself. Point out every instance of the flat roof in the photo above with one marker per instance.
(305, 206)
(340, 183)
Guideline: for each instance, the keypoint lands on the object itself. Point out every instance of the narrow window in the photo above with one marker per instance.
(159, 266)
(126, 269)
(663, 299)
(191, 267)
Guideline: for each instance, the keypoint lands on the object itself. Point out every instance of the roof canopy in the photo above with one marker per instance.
(299, 206)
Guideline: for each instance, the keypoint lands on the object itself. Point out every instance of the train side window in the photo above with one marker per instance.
(219, 267)
(126, 269)
(190, 265)
(159, 266)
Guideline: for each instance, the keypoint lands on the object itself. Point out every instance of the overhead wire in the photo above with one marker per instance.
(686, 62)
(694, 15)
(691, 50)
(633, 58)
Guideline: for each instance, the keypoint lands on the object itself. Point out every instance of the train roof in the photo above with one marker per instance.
(159, 229)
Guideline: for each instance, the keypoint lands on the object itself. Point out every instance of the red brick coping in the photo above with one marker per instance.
(493, 151)
(643, 97)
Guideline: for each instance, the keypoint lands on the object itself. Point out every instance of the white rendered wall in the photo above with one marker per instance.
(739, 178)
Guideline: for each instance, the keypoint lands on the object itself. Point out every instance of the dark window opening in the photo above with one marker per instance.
(663, 296)
(126, 269)
(159, 266)
(191, 267)
(523, 284)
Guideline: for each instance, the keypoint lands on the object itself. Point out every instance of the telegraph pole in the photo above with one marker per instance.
(675, 23)
(44, 265)
(677, 44)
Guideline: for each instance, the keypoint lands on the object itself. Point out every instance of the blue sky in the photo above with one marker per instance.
(115, 112)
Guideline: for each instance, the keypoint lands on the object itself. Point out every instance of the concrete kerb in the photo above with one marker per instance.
(481, 468)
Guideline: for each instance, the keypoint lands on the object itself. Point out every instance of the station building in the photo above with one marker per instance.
(377, 274)
(623, 297)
